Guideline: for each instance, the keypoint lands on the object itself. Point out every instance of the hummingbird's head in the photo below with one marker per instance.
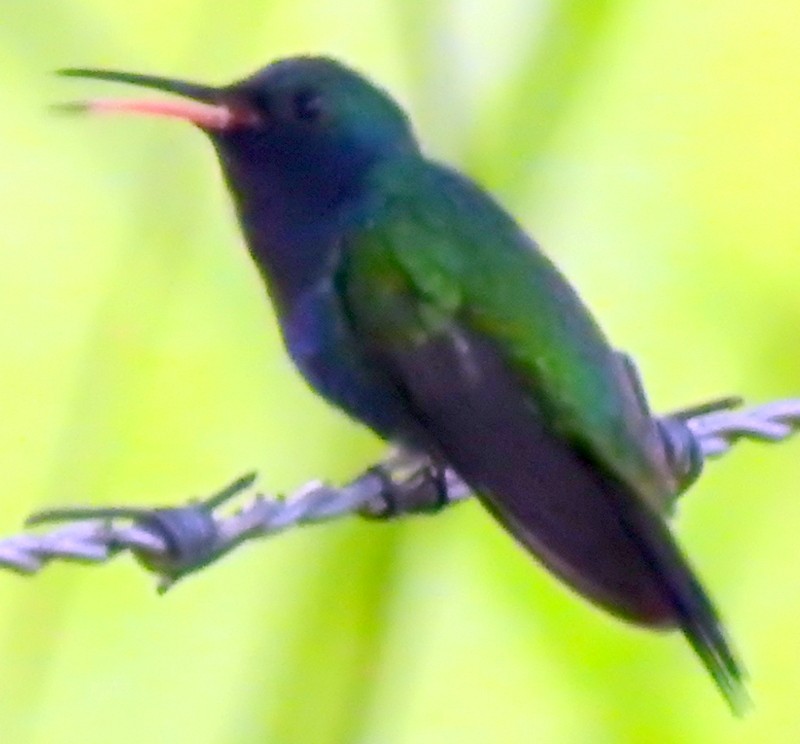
(307, 129)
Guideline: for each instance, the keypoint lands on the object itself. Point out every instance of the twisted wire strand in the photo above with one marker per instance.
(175, 541)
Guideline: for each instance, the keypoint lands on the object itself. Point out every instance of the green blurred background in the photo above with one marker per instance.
(653, 149)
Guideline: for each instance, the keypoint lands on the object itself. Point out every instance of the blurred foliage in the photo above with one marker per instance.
(651, 146)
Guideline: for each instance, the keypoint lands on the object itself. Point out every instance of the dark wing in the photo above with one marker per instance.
(485, 382)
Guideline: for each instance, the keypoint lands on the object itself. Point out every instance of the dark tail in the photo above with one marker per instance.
(693, 611)
(585, 526)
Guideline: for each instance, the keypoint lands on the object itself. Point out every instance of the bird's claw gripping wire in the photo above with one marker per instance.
(175, 541)
(409, 483)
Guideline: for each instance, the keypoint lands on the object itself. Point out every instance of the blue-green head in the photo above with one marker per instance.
(318, 128)
(298, 138)
(298, 142)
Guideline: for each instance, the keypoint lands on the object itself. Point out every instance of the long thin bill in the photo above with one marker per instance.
(214, 117)
(203, 108)
(195, 91)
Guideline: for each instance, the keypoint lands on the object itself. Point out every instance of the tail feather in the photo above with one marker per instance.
(693, 610)
(586, 526)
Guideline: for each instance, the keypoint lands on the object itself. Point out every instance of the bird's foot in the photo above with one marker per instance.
(409, 485)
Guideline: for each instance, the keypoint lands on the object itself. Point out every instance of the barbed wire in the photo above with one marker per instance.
(173, 542)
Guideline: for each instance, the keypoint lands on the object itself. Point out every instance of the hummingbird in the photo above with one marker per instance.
(410, 299)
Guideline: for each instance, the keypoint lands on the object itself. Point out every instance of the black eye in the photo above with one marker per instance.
(307, 105)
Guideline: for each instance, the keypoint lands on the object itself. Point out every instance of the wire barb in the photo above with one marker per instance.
(173, 542)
